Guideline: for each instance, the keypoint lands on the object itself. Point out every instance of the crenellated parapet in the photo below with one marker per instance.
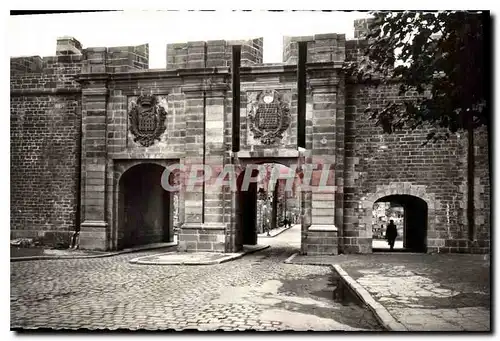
(213, 53)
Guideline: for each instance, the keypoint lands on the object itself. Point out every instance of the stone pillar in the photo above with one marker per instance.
(350, 229)
(305, 189)
(340, 160)
(94, 228)
(204, 227)
(216, 220)
(193, 197)
(322, 234)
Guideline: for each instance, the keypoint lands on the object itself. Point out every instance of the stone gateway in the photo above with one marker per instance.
(92, 130)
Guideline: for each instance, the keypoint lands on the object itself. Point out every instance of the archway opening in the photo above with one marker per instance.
(409, 214)
(269, 207)
(145, 207)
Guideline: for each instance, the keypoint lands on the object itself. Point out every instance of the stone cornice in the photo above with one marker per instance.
(48, 91)
(222, 72)
(92, 77)
(328, 66)
(156, 155)
(319, 83)
(261, 69)
(205, 86)
(100, 91)
(268, 153)
(155, 74)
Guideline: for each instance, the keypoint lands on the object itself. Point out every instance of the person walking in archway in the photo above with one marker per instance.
(391, 233)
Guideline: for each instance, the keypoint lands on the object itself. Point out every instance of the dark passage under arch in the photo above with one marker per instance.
(145, 208)
(246, 212)
(414, 222)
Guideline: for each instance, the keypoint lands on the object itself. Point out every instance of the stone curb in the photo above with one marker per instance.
(263, 235)
(381, 313)
(109, 254)
(289, 259)
(217, 261)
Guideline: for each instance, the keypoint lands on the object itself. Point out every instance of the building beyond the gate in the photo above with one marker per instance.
(83, 158)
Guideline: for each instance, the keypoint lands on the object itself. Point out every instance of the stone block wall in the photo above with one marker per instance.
(46, 131)
(68, 46)
(482, 196)
(26, 64)
(207, 239)
(61, 133)
(355, 49)
(378, 164)
(127, 58)
(115, 59)
(322, 241)
(320, 48)
(45, 125)
(212, 53)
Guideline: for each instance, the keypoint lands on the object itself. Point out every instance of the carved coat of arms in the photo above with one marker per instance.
(147, 120)
(269, 117)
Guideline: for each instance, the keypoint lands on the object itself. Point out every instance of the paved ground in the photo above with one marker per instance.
(43, 253)
(257, 291)
(382, 244)
(274, 232)
(424, 292)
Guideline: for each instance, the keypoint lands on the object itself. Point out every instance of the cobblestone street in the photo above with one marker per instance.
(257, 292)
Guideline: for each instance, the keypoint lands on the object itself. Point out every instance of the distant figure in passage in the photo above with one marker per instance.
(286, 222)
(391, 233)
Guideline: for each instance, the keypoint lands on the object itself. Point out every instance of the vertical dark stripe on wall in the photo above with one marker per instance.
(470, 182)
(204, 139)
(204, 155)
(301, 96)
(235, 71)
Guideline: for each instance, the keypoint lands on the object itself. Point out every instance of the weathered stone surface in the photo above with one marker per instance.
(69, 138)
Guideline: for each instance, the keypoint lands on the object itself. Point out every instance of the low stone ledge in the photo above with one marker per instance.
(323, 228)
(94, 223)
(283, 153)
(321, 240)
(204, 226)
(195, 258)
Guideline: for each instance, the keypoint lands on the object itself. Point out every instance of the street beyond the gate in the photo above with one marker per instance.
(257, 292)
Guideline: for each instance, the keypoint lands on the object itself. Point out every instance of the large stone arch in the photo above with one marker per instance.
(397, 188)
(121, 167)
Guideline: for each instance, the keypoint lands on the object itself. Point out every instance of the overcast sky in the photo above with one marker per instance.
(37, 34)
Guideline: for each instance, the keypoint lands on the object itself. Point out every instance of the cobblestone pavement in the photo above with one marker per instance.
(425, 292)
(257, 292)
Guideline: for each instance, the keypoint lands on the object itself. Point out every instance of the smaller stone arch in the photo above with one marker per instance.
(287, 162)
(398, 188)
(245, 227)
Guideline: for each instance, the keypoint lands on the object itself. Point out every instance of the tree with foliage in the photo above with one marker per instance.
(439, 55)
